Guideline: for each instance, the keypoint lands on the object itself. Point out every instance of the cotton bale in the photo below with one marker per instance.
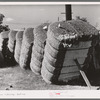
(64, 41)
(19, 37)
(26, 49)
(40, 35)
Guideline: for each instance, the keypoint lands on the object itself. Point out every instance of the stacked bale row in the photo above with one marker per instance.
(61, 35)
(26, 49)
(19, 37)
(49, 49)
(40, 35)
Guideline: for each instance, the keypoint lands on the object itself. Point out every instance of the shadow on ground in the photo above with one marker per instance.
(14, 78)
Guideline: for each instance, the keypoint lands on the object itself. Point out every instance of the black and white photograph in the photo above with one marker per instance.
(49, 47)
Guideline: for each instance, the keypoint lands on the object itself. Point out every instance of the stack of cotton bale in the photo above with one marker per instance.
(40, 36)
(19, 38)
(11, 47)
(26, 48)
(64, 44)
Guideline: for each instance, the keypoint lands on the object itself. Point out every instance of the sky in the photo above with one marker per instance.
(91, 12)
(19, 16)
(30, 15)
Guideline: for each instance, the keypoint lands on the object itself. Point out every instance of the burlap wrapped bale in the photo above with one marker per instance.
(37, 55)
(39, 49)
(39, 43)
(3, 40)
(40, 32)
(40, 35)
(54, 48)
(47, 76)
(26, 49)
(19, 37)
(12, 40)
(3, 46)
(9, 56)
(51, 59)
(84, 28)
(62, 36)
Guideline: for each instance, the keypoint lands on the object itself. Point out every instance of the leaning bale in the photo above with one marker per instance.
(42, 45)
(40, 32)
(40, 36)
(3, 46)
(54, 49)
(64, 44)
(9, 56)
(3, 40)
(26, 49)
(12, 40)
(19, 37)
(37, 55)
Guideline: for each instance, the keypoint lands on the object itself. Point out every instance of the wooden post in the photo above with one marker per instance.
(83, 74)
(68, 12)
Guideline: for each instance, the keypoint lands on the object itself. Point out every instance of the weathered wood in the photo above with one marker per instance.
(83, 74)
(66, 69)
(69, 76)
(80, 45)
(71, 62)
(70, 69)
(76, 53)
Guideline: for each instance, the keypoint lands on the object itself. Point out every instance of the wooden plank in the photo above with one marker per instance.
(80, 45)
(70, 70)
(83, 74)
(66, 70)
(71, 62)
(69, 76)
(76, 54)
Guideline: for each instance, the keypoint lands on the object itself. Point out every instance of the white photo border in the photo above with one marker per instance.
(49, 94)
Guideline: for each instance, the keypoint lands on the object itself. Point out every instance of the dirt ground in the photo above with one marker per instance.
(14, 78)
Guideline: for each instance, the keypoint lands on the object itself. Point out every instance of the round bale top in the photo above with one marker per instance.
(12, 35)
(40, 32)
(70, 29)
(83, 28)
(19, 36)
(28, 35)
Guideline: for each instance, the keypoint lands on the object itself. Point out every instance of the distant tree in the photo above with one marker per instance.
(83, 18)
(2, 27)
(97, 24)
